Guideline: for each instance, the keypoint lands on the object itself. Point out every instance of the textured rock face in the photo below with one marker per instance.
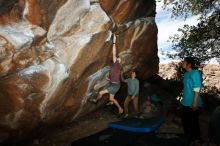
(211, 77)
(54, 55)
(168, 71)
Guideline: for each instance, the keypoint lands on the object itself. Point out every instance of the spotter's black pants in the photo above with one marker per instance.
(190, 121)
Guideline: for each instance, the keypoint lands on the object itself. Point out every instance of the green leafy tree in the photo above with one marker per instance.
(201, 40)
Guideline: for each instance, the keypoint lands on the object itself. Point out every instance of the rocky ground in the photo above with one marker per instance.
(95, 122)
(65, 135)
(98, 121)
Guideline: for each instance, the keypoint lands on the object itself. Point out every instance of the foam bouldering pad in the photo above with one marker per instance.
(138, 125)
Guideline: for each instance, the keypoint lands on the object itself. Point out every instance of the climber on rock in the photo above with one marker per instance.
(114, 78)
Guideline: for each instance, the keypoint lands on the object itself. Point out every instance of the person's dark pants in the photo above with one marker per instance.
(190, 121)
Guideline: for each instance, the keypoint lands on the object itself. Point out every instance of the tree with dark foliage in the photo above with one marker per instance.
(201, 40)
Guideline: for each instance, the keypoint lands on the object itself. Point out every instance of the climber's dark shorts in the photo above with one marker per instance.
(113, 88)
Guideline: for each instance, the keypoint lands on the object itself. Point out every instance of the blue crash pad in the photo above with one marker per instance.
(138, 125)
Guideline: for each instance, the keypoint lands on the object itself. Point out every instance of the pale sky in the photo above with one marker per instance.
(168, 27)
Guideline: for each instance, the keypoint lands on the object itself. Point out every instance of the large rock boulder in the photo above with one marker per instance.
(54, 55)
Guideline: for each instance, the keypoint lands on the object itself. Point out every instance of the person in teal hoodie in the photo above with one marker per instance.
(191, 102)
(133, 92)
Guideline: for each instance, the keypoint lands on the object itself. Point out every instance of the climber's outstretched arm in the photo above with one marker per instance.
(114, 48)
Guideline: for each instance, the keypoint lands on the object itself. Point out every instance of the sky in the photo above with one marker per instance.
(167, 27)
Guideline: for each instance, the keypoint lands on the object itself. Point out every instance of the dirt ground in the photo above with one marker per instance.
(98, 121)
